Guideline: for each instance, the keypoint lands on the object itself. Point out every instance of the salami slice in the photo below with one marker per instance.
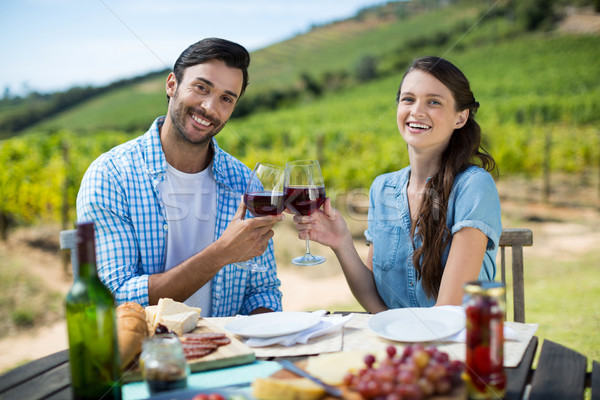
(199, 345)
(197, 353)
(221, 342)
(204, 336)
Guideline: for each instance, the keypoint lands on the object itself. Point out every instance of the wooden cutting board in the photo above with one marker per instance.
(234, 353)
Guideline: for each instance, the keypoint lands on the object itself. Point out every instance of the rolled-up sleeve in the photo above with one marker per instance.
(477, 205)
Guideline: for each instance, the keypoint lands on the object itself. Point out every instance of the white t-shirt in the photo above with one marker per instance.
(190, 202)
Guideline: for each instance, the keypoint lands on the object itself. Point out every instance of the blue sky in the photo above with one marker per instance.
(49, 45)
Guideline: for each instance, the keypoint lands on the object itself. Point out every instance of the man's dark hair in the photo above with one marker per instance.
(232, 54)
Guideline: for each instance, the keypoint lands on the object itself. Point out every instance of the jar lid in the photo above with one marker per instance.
(485, 288)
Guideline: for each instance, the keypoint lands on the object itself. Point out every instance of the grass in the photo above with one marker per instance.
(562, 297)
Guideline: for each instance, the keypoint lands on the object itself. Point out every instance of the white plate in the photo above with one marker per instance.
(273, 323)
(416, 324)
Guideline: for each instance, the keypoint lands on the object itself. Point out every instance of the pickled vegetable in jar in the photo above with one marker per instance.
(484, 370)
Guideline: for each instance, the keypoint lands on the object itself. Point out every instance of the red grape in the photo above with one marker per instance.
(369, 360)
(415, 373)
(391, 351)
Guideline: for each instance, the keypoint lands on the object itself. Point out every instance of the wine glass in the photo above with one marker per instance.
(304, 193)
(263, 196)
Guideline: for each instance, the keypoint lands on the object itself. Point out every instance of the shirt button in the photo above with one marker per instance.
(165, 227)
(412, 284)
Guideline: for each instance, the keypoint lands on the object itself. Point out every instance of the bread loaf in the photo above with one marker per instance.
(131, 331)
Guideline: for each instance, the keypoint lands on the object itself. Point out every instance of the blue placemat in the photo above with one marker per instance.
(209, 379)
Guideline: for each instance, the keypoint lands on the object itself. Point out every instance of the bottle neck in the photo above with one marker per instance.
(86, 248)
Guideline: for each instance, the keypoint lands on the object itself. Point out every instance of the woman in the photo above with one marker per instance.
(435, 224)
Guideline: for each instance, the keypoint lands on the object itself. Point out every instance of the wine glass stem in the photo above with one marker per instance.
(307, 247)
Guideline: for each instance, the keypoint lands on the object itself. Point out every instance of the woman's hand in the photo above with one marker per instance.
(326, 227)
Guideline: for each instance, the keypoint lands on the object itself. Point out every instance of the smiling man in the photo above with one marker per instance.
(167, 205)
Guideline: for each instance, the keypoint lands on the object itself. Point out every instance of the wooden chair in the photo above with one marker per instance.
(68, 241)
(515, 239)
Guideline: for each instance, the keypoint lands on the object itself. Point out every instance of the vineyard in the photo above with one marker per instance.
(538, 93)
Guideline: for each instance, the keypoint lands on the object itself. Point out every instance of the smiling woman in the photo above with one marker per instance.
(440, 215)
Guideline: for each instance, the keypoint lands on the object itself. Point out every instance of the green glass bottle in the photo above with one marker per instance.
(92, 329)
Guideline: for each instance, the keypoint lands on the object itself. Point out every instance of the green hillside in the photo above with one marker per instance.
(328, 53)
(330, 94)
(519, 107)
(342, 45)
(128, 108)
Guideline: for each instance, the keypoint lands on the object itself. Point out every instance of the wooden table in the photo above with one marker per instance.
(560, 374)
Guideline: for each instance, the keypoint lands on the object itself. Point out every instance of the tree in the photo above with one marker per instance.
(534, 14)
(366, 69)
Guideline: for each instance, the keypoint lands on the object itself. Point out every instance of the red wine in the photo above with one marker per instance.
(161, 386)
(304, 200)
(264, 203)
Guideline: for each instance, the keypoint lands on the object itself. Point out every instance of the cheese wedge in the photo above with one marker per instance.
(180, 323)
(174, 315)
(151, 315)
(169, 306)
(286, 389)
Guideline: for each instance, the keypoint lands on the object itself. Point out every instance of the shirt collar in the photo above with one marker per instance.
(156, 162)
(218, 162)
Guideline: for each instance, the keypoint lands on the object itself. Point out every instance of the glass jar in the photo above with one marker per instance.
(163, 363)
(485, 305)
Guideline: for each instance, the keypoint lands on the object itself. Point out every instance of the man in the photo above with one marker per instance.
(167, 205)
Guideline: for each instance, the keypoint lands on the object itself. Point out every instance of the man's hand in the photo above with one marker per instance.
(246, 238)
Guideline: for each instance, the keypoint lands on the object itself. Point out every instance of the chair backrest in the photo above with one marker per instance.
(68, 241)
(515, 239)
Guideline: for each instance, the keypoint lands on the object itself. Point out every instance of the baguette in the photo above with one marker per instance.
(131, 331)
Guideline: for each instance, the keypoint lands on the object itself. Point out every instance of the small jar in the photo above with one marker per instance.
(163, 363)
(484, 374)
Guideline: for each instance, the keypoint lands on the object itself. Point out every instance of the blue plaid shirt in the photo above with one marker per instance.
(119, 194)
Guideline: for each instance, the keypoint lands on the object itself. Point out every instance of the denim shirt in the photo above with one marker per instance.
(473, 202)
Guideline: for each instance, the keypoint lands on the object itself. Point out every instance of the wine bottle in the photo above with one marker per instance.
(91, 325)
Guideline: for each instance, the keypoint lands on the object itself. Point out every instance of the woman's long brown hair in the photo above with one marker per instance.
(464, 149)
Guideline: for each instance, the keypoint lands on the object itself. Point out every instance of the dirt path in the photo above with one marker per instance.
(559, 232)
